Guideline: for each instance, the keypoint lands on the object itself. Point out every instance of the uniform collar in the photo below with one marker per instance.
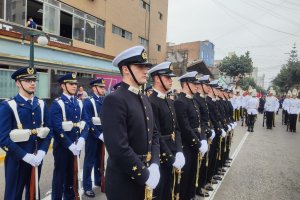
(189, 96)
(159, 94)
(25, 98)
(68, 96)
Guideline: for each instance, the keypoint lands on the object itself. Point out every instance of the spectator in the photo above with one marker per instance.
(81, 94)
(31, 23)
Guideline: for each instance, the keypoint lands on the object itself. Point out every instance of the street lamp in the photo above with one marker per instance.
(42, 40)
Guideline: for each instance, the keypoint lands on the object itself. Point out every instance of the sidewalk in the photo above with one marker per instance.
(2, 156)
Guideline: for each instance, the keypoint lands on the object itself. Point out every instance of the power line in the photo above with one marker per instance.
(254, 22)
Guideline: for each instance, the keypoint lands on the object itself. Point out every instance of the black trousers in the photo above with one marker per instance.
(164, 189)
(251, 121)
(269, 120)
(293, 121)
(188, 177)
(212, 159)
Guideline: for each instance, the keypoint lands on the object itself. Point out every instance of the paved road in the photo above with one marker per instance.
(266, 165)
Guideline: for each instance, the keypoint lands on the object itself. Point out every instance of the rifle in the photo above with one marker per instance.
(76, 176)
(34, 180)
(264, 119)
(102, 170)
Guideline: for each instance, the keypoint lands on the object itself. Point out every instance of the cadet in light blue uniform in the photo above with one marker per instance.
(94, 142)
(70, 131)
(24, 134)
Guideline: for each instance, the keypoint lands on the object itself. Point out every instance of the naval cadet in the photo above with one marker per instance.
(171, 156)
(252, 110)
(24, 135)
(94, 141)
(293, 110)
(193, 140)
(131, 138)
(70, 130)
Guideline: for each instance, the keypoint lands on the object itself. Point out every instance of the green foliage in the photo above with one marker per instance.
(234, 65)
(244, 83)
(289, 75)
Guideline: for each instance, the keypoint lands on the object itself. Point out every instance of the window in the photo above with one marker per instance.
(158, 47)
(78, 28)
(100, 31)
(65, 25)
(121, 32)
(160, 15)
(145, 5)
(90, 32)
(143, 42)
(35, 11)
(1, 9)
(51, 19)
(84, 75)
(14, 11)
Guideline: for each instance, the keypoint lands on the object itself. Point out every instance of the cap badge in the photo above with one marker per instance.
(30, 70)
(73, 75)
(144, 55)
(171, 67)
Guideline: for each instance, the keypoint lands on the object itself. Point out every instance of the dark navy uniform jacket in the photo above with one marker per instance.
(30, 117)
(73, 113)
(129, 131)
(166, 123)
(204, 114)
(188, 117)
(95, 130)
(214, 115)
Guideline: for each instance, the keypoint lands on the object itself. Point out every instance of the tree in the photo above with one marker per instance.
(244, 83)
(234, 65)
(289, 75)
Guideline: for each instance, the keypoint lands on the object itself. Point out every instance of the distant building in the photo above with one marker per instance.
(186, 54)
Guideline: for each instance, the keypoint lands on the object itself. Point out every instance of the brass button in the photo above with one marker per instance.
(148, 129)
(32, 113)
(150, 141)
(75, 116)
(33, 122)
(147, 118)
(145, 108)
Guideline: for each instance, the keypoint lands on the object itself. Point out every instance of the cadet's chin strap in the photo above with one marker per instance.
(203, 89)
(30, 93)
(133, 76)
(189, 87)
(162, 83)
(212, 89)
(67, 89)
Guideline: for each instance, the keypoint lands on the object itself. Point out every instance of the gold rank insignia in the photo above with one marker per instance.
(30, 70)
(173, 137)
(148, 157)
(144, 55)
(171, 67)
(134, 168)
(73, 75)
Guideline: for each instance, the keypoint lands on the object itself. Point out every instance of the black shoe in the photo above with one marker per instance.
(89, 193)
(226, 165)
(223, 170)
(230, 159)
(214, 182)
(218, 178)
(220, 173)
(209, 188)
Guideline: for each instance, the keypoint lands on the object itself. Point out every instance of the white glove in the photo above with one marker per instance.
(235, 124)
(179, 160)
(229, 127)
(74, 149)
(232, 126)
(223, 133)
(154, 176)
(101, 137)
(80, 143)
(30, 159)
(204, 147)
(82, 125)
(39, 157)
(213, 134)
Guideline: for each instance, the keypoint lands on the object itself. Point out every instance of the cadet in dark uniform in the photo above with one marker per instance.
(171, 156)
(24, 134)
(70, 130)
(193, 140)
(94, 142)
(200, 98)
(131, 138)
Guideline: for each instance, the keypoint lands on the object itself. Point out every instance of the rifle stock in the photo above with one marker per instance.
(102, 170)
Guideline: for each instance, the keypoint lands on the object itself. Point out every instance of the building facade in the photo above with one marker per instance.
(84, 36)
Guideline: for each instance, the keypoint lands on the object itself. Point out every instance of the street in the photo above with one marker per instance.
(265, 166)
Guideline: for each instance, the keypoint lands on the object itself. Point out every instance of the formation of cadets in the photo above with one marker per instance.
(157, 147)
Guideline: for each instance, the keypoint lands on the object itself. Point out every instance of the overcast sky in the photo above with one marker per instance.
(266, 28)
